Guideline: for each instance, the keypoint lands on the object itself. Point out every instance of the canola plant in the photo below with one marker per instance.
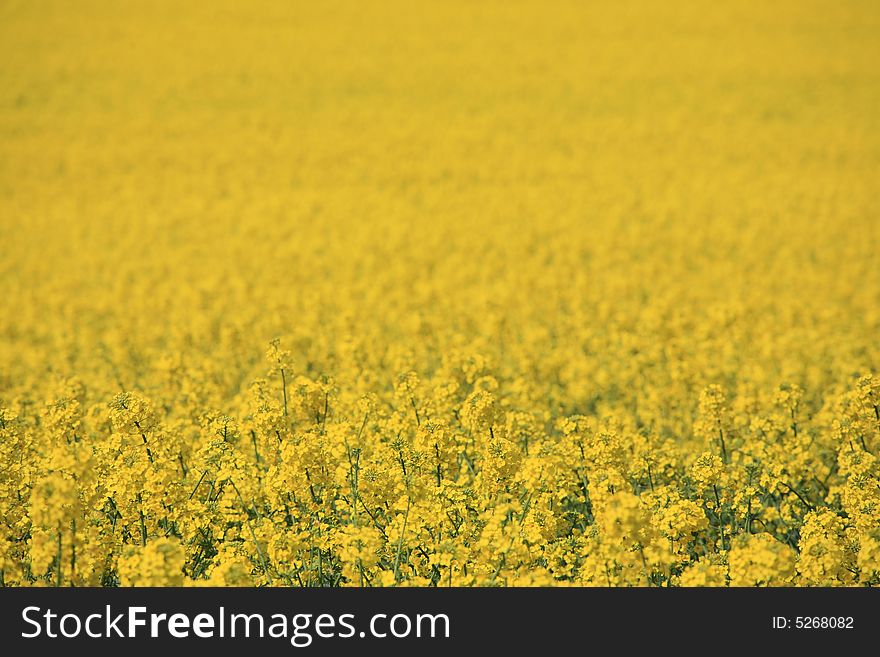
(440, 294)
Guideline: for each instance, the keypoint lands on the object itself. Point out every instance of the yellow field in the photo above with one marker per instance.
(440, 293)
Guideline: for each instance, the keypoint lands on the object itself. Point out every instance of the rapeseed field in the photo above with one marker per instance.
(440, 293)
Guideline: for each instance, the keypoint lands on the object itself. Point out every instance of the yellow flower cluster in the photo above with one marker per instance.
(468, 294)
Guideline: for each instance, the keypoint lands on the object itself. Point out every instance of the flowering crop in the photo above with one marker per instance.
(440, 293)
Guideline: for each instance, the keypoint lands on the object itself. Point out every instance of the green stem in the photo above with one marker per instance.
(400, 541)
(247, 520)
